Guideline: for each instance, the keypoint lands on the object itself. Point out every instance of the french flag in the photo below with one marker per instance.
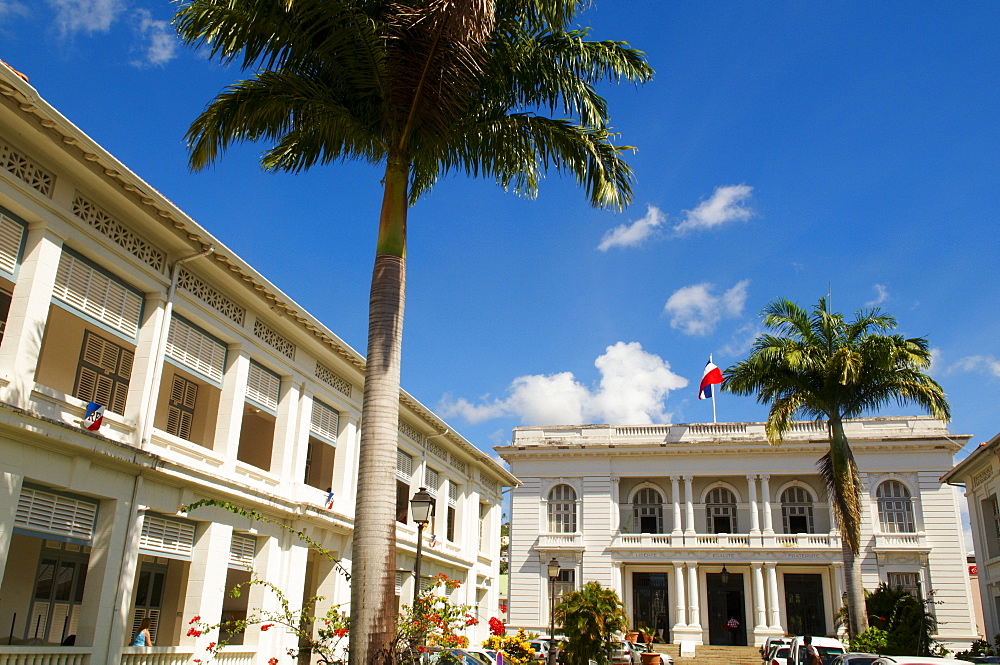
(711, 377)
(94, 417)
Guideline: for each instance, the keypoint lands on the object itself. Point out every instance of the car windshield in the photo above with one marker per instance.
(861, 660)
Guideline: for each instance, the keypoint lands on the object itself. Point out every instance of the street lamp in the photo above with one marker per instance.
(553, 575)
(724, 575)
(422, 509)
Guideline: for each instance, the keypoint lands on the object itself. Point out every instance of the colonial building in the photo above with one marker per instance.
(712, 536)
(980, 475)
(215, 385)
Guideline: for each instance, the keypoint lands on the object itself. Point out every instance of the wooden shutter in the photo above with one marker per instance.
(180, 407)
(171, 538)
(56, 514)
(324, 421)
(11, 234)
(103, 373)
(196, 350)
(263, 386)
(87, 289)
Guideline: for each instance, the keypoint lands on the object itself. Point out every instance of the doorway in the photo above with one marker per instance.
(804, 604)
(649, 604)
(726, 609)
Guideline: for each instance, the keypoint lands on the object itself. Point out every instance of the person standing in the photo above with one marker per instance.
(142, 637)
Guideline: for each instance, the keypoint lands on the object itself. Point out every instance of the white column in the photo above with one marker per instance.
(772, 595)
(10, 494)
(344, 464)
(143, 388)
(29, 313)
(616, 507)
(754, 512)
(694, 617)
(689, 505)
(758, 597)
(229, 422)
(291, 431)
(206, 581)
(765, 490)
(681, 617)
(838, 583)
(675, 494)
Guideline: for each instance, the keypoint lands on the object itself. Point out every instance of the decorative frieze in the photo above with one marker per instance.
(332, 379)
(208, 295)
(982, 477)
(488, 482)
(458, 464)
(264, 333)
(118, 233)
(410, 432)
(26, 170)
(436, 448)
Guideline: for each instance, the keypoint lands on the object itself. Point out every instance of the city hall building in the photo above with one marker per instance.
(711, 536)
(215, 385)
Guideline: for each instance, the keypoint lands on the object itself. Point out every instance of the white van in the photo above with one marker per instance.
(827, 647)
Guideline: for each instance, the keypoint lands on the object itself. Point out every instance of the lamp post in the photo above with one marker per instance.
(422, 509)
(553, 570)
(724, 575)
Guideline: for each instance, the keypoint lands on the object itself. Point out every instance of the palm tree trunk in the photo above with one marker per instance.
(847, 491)
(373, 551)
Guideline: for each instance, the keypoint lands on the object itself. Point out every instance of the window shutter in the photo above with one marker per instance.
(49, 513)
(241, 551)
(404, 466)
(263, 386)
(87, 289)
(324, 421)
(11, 234)
(399, 583)
(171, 538)
(180, 408)
(104, 372)
(196, 350)
(452, 493)
(432, 481)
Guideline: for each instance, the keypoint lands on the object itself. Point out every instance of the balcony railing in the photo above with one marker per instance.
(41, 655)
(824, 541)
(183, 655)
(560, 540)
(901, 541)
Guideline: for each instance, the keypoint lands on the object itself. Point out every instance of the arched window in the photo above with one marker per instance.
(647, 510)
(797, 510)
(895, 509)
(562, 509)
(720, 508)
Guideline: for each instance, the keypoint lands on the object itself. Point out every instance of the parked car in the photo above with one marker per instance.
(985, 659)
(917, 660)
(854, 658)
(827, 647)
(623, 654)
(449, 656)
(489, 656)
(779, 655)
(768, 646)
(540, 647)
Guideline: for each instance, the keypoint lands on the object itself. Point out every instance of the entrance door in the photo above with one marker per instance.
(55, 603)
(726, 618)
(649, 603)
(804, 605)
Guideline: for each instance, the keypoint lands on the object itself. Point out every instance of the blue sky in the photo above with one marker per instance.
(785, 149)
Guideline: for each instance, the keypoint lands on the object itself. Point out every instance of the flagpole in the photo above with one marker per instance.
(715, 420)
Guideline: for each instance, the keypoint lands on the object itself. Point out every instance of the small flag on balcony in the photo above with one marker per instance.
(329, 500)
(711, 377)
(94, 417)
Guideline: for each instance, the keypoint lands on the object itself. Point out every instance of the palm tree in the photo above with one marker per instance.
(421, 88)
(821, 366)
(590, 617)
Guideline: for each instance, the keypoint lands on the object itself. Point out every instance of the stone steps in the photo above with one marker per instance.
(713, 655)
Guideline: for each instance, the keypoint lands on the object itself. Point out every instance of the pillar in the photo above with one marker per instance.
(765, 490)
(772, 595)
(754, 512)
(10, 493)
(206, 580)
(681, 617)
(675, 495)
(143, 388)
(616, 506)
(226, 443)
(760, 614)
(29, 313)
(694, 617)
(689, 505)
(345, 463)
(291, 432)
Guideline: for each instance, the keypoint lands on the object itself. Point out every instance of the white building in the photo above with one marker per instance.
(217, 386)
(980, 474)
(695, 525)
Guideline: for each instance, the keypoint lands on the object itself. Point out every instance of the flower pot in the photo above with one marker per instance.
(633, 636)
(650, 658)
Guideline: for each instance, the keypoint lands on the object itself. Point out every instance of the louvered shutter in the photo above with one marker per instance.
(196, 350)
(47, 513)
(399, 583)
(171, 538)
(104, 372)
(431, 481)
(263, 386)
(180, 408)
(154, 618)
(87, 289)
(404, 466)
(324, 421)
(452, 493)
(11, 234)
(241, 551)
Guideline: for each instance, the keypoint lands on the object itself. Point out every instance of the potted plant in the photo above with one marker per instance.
(649, 657)
(632, 636)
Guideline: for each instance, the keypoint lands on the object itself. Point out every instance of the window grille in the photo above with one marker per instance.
(910, 582)
(647, 510)
(324, 421)
(28, 171)
(895, 510)
(797, 510)
(55, 514)
(103, 373)
(196, 350)
(87, 289)
(241, 551)
(562, 509)
(165, 537)
(180, 408)
(263, 386)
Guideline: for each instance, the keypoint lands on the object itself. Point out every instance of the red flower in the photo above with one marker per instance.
(266, 626)
(340, 632)
(194, 632)
(197, 618)
(422, 649)
(503, 608)
(272, 661)
(211, 645)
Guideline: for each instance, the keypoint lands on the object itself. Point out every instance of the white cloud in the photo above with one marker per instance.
(159, 42)
(742, 340)
(936, 360)
(981, 364)
(881, 295)
(696, 310)
(634, 234)
(631, 390)
(12, 8)
(728, 203)
(86, 15)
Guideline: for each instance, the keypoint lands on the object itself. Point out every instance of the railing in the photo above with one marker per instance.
(645, 539)
(560, 540)
(643, 430)
(40, 655)
(806, 540)
(727, 540)
(183, 656)
(901, 540)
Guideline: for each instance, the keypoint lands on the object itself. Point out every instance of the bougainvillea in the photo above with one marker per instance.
(496, 626)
